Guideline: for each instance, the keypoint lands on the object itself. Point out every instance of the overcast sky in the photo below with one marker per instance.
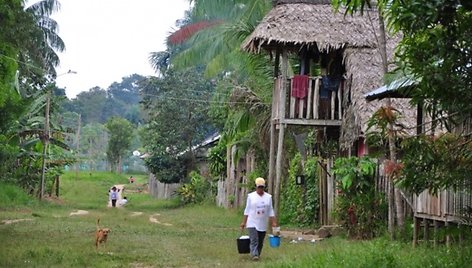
(110, 39)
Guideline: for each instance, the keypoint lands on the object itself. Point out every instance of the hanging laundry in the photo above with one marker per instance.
(300, 86)
(329, 83)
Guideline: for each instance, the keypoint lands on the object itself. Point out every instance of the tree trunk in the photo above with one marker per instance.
(118, 167)
(394, 196)
(45, 145)
(57, 185)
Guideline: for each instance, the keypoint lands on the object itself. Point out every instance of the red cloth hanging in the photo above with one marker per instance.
(300, 86)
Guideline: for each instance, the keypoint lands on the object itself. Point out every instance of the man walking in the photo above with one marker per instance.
(258, 211)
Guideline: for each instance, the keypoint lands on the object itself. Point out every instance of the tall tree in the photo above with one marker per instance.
(43, 44)
(26, 48)
(120, 133)
(210, 36)
(177, 106)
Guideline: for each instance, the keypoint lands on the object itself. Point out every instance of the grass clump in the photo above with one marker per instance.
(12, 196)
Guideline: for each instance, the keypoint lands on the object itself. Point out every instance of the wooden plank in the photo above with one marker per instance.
(316, 99)
(275, 92)
(426, 230)
(292, 106)
(276, 98)
(333, 104)
(311, 122)
(321, 197)
(331, 188)
(301, 105)
(280, 145)
(309, 99)
(448, 236)
(272, 151)
(340, 103)
(416, 228)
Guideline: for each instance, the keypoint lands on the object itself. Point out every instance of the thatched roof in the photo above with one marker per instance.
(365, 68)
(304, 24)
(281, 2)
(315, 24)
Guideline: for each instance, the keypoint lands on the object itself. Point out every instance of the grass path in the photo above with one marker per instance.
(145, 233)
(151, 233)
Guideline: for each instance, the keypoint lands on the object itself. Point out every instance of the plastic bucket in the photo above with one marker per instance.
(243, 244)
(274, 241)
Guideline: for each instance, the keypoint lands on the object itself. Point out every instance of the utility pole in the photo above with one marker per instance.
(45, 140)
(78, 145)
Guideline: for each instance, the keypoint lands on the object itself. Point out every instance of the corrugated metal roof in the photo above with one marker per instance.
(399, 88)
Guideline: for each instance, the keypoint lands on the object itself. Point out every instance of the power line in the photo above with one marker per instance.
(200, 100)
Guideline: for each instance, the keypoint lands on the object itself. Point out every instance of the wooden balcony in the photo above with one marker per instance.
(319, 107)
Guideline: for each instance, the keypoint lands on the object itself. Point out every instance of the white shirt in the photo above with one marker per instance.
(258, 209)
(123, 202)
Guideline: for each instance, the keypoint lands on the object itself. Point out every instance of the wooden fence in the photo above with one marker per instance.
(161, 190)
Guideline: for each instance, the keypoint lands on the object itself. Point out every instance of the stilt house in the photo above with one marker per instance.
(324, 64)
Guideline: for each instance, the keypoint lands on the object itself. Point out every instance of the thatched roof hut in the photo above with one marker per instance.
(314, 24)
(293, 25)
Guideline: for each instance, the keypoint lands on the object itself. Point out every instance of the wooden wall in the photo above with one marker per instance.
(161, 190)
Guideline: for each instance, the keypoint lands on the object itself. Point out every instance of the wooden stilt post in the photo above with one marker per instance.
(272, 149)
(448, 236)
(436, 233)
(280, 146)
(426, 230)
(416, 227)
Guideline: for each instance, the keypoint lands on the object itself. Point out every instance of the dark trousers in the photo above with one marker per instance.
(113, 202)
(257, 241)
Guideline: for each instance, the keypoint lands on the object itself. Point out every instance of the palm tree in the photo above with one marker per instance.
(210, 36)
(40, 49)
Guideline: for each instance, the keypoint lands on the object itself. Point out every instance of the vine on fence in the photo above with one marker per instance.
(300, 203)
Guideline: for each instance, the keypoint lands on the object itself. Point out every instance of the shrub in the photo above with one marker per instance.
(196, 191)
(359, 207)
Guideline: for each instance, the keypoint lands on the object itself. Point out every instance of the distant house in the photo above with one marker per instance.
(448, 206)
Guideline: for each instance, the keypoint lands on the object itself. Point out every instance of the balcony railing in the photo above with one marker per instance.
(320, 102)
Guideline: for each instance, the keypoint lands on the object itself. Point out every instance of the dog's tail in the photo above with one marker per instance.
(98, 223)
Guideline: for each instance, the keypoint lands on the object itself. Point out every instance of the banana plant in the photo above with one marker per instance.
(41, 138)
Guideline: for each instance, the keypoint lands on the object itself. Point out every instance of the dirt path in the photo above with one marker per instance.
(15, 221)
(297, 236)
(153, 219)
(79, 212)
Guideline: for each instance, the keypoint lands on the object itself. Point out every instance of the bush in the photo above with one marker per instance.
(359, 207)
(198, 190)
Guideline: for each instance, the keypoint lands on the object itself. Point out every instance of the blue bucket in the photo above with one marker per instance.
(274, 241)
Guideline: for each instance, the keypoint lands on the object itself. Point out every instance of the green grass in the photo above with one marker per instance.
(191, 236)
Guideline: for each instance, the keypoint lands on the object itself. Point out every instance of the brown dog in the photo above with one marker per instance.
(101, 234)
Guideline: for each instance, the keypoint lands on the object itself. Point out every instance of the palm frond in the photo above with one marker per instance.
(187, 31)
(59, 143)
(44, 7)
